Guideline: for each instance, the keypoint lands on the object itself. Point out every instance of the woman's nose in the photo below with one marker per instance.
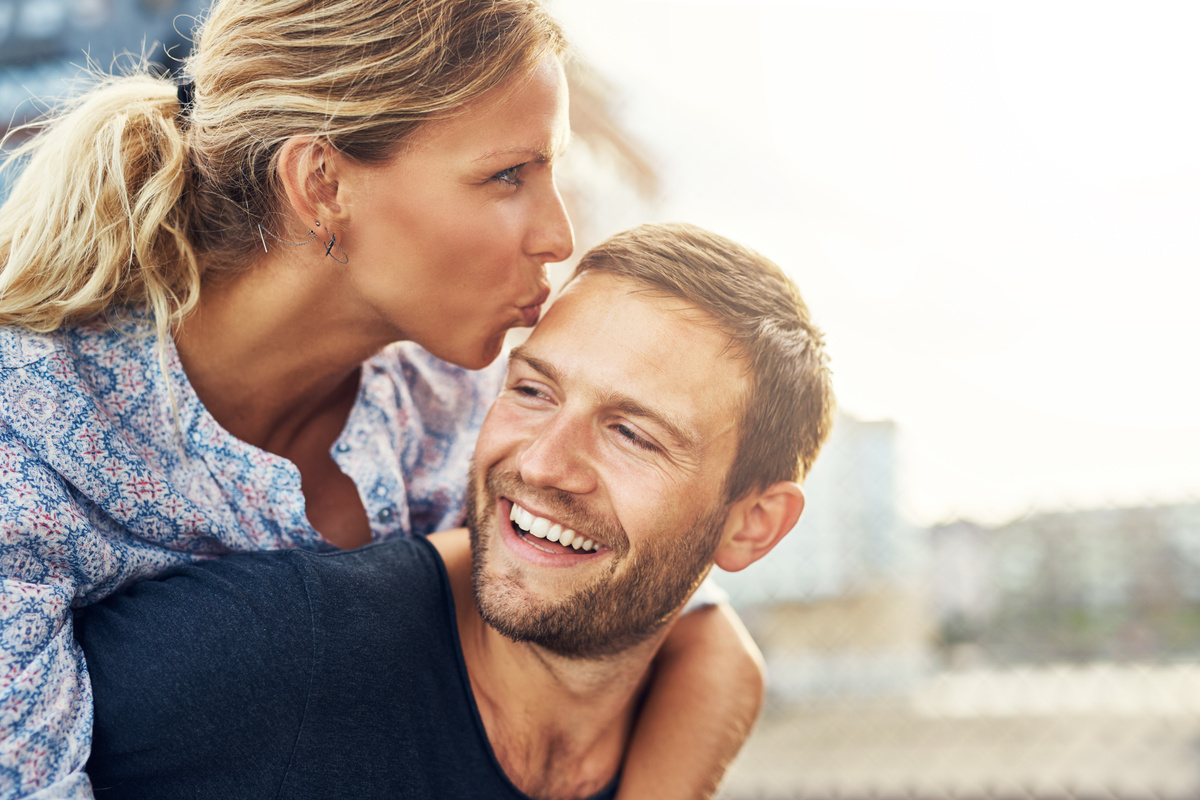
(553, 239)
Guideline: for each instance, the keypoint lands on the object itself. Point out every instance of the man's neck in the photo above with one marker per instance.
(558, 726)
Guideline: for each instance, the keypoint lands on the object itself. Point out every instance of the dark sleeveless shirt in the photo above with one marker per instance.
(288, 675)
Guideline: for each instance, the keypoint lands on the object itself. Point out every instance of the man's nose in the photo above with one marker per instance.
(561, 456)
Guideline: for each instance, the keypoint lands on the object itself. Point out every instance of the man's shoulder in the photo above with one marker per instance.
(412, 557)
(266, 616)
(399, 583)
(400, 570)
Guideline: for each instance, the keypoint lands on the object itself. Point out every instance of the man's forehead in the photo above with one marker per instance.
(626, 340)
(619, 291)
(591, 298)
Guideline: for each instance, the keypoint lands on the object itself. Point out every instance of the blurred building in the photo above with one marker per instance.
(1071, 671)
(838, 607)
(48, 46)
(850, 535)
(1095, 584)
(44, 44)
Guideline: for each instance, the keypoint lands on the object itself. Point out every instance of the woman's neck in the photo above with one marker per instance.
(270, 353)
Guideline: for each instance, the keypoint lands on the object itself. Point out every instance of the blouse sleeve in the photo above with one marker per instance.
(45, 695)
(447, 407)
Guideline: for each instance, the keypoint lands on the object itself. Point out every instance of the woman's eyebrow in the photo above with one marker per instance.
(529, 153)
(526, 153)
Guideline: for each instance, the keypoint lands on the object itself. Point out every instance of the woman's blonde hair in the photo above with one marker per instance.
(126, 201)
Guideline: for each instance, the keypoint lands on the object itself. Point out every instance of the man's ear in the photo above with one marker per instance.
(756, 523)
(308, 169)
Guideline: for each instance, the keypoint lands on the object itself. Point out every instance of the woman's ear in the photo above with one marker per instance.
(308, 169)
(756, 523)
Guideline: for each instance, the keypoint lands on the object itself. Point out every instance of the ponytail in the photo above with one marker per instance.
(120, 198)
(99, 217)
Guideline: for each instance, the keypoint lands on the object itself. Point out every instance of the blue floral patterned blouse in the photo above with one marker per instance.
(103, 483)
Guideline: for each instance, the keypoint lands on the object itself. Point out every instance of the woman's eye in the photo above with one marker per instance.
(511, 176)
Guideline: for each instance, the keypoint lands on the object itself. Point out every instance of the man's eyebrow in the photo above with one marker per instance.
(520, 353)
(633, 408)
(613, 399)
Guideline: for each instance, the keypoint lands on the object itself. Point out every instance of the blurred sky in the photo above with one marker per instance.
(991, 207)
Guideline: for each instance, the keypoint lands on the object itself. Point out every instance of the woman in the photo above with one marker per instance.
(228, 313)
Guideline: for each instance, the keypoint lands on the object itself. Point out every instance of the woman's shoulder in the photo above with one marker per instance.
(433, 385)
(71, 368)
(74, 384)
(21, 347)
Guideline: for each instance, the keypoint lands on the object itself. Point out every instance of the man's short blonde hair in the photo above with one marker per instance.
(788, 411)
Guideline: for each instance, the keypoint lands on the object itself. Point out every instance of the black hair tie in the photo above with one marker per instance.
(186, 92)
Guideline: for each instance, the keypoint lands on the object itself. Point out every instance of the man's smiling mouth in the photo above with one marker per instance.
(553, 537)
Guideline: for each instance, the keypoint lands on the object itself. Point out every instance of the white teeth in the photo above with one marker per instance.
(544, 529)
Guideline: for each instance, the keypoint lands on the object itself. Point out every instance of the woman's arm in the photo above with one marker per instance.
(702, 702)
(45, 696)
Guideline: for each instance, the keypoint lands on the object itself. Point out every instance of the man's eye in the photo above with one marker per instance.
(529, 391)
(634, 439)
(511, 176)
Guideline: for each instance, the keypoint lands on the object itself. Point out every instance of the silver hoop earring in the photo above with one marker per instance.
(329, 248)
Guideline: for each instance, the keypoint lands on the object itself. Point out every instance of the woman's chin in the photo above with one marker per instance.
(471, 358)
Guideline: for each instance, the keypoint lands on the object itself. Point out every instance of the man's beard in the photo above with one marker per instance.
(612, 612)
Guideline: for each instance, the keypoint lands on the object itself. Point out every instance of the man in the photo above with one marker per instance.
(655, 423)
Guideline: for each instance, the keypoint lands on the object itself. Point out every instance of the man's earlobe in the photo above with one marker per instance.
(308, 171)
(756, 523)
